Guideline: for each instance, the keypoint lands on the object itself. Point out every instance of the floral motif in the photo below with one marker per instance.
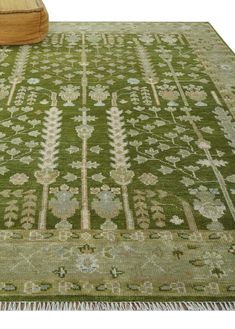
(148, 179)
(203, 144)
(106, 206)
(84, 131)
(63, 206)
(169, 39)
(99, 93)
(69, 94)
(46, 176)
(33, 81)
(176, 220)
(133, 81)
(209, 207)
(4, 92)
(87, 263)
(19, 179)
(197, 94)
(170, 94)
(122, 176)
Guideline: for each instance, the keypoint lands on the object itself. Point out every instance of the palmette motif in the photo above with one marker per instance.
(117, 152)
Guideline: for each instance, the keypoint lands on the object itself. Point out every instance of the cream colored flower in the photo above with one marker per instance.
(133, 81)
(148, 179)
(203, 144)
(19, 179)
(33, 81)
(87, 263)
(208, 206)
(176, 220)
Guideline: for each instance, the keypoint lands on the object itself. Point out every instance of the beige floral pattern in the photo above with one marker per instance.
(148, 179)
(19, 179)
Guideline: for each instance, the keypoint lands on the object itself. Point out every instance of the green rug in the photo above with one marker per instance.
(117, 169)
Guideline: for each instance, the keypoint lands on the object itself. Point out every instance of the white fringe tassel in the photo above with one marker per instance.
(117, 306)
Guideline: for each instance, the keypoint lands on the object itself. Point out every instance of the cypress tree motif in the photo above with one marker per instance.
(149, 73)
(48, 160)
(18, 72)
(120, 159)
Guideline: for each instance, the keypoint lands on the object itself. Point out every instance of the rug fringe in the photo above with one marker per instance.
(117, 306)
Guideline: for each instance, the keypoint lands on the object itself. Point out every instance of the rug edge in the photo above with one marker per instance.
(221, 38)
(117, 306)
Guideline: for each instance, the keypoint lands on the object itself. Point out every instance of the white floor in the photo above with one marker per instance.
(220, 13)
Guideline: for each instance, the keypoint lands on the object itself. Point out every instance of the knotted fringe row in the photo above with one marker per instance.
(117, 306)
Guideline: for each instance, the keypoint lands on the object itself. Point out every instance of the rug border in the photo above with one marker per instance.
(149, 22)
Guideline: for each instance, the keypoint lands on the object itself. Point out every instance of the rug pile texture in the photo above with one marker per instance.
(117, 169)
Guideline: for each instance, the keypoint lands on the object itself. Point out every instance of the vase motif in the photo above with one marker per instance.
(107, 206)
(99, 93)
(69, 94)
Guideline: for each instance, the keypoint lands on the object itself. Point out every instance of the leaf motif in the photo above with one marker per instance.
(3, 170)
(231, 179)
(98, 177)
